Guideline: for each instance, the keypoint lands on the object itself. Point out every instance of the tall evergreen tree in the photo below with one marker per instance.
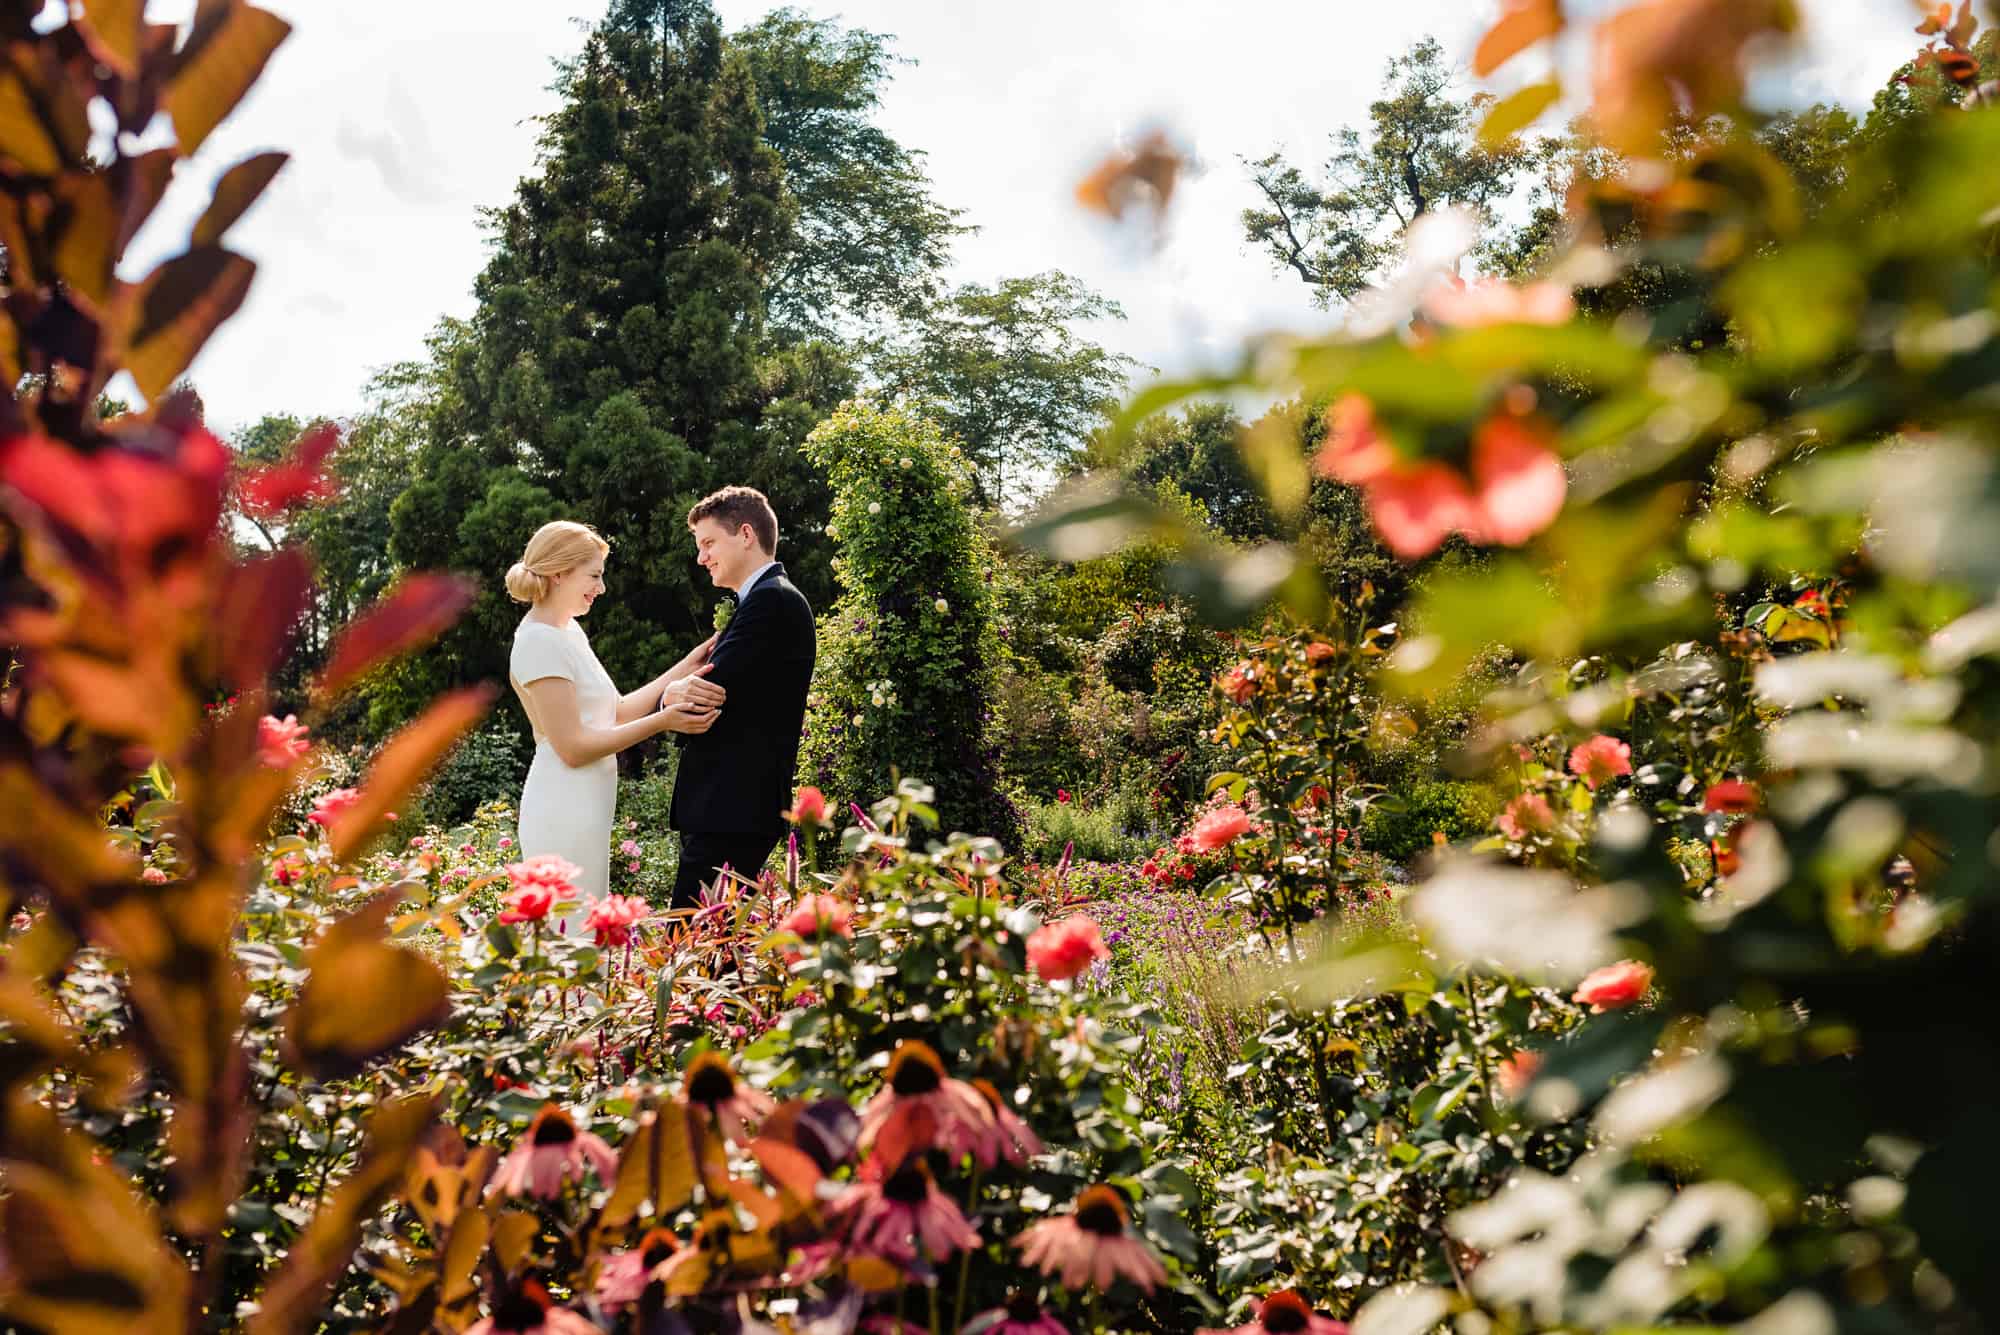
(612, 372)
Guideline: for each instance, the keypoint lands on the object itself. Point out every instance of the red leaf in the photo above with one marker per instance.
(404, 761)
(276, 488)
(408, 617)
(258, 605)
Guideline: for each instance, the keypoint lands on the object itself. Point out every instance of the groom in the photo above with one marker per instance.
(735, 780)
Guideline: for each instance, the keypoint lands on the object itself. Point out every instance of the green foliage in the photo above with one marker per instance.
(1419, 155)
(1005, 370)
(1406, 824)
(1088, 833)
(492, 761)
(869, 242)
(908, 656)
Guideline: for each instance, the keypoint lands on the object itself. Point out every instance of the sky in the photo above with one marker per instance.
(405, 120)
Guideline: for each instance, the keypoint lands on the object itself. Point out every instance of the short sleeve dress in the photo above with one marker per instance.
(567, 810)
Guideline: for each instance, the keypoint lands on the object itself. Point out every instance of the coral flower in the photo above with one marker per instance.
(553, 1149)
(1060, 950)
(1515, 1072)
(887, 1215)
(1415, 509)
(1518, 481)
(546, 870)
(612, 918)
(1220, 828)
(1600, 760)
(1354, 452)
(328, 807)
(808, 808)
(1528, 813)
(1240, 682)
(1731, 796)
(531, 903)
(623, 1277)
(1491, 301)
(736, 1105)
(1286, 1313)
(1614, 986)
(1092, 1244)
(814, 914)
(528, 1311)
(919, 1104)
(280, 741)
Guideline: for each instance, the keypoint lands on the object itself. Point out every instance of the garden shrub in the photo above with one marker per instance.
(1406, 823)
(489, 763)
(1091, 833)
(907, 677)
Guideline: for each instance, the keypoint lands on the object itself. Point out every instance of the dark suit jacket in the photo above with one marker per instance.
(736, 778)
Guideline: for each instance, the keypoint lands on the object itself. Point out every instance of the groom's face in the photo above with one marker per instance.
(727, 556)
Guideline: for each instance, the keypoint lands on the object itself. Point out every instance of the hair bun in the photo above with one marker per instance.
(524, 585)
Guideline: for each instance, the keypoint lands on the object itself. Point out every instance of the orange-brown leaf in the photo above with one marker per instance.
(404, 762)
(238, 189)
(408, 617)
(1524, 23)
(362, 996)
(1125, 178)
(260, 603)
(223, 57)
(175, 310)
(292, 1300)
(110, 28)
(83, 228)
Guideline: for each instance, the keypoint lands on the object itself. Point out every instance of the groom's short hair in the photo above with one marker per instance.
(733, 507)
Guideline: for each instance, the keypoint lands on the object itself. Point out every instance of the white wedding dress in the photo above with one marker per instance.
(567, 811)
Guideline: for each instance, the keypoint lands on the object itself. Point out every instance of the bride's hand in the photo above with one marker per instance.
(687, 716)
(695, 658)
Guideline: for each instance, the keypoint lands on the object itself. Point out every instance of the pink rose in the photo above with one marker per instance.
(1600, 760)
(612, 918)
(1220, 827)
(153, 876)
(531, 903)
(808, 808)
(1514, 1073)
(1614, 986)
(1065, 949)
(280, 741)
(1240, 682)
(329, 807)
(816, 913)
(630, 848)
(1529, 813)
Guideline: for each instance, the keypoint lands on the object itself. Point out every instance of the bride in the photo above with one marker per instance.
(580, 720)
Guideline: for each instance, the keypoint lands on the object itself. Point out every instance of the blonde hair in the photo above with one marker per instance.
(557, 548)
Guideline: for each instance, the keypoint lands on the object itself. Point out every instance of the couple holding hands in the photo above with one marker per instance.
(737, 701)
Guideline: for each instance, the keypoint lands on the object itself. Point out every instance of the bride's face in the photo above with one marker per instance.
(575, 590)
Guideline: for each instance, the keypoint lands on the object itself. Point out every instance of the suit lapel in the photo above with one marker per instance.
(777, 571)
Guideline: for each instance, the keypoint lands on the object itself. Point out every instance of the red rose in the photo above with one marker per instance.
(1065, 949)
(1614, 986)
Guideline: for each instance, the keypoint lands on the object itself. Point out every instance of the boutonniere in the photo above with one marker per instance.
(724, 610)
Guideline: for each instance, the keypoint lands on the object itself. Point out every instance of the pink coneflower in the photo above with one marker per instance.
(1219, 828)
(1615, 986)
(623, 1277)
(712, 1085)
(919, 1104)
(1600, 760)
(528, 1310)
(818, 913)
(554, 1149)
(1021, 1316)
(1092, 1244)
(1008, 1138)
(611, 920)
(280, 741)
(1060, 950)
(1286, 1313)
(888, 1214)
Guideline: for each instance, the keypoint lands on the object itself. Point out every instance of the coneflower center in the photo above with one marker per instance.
(553, 1131)
(1099, 1212)
(659, 1246)
(914, 1076)
(519, 1311)
(712, 1084)
(907, 1185)
(1284, 1314)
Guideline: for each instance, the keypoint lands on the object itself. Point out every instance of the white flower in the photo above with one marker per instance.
(857, 720)
(874, 507)
(904, 462)
(877, 698)
(941, 605)
(830, 533)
